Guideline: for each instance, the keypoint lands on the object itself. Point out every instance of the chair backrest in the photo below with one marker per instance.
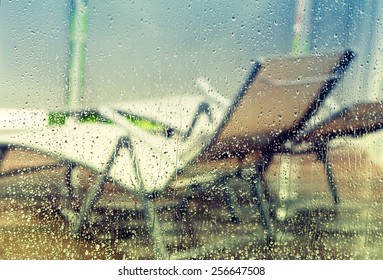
(278, 98)
(357, 120)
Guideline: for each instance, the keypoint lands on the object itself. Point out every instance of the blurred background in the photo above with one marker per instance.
(154, 48)
(143, 49)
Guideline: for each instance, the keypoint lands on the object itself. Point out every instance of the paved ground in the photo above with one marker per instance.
(308, 226)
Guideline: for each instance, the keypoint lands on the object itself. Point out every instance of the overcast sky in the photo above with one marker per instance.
(147, 48)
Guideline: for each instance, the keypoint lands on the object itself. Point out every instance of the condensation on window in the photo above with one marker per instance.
(191, 129)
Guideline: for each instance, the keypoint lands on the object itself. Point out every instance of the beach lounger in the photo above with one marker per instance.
(353, 121)
(203, 139)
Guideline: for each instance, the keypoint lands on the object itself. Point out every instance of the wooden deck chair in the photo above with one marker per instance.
(205, 140)
(354, 121)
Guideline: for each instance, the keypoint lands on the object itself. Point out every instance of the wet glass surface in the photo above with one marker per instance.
(195, 130)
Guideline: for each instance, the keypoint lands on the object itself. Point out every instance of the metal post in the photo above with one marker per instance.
(77, 46)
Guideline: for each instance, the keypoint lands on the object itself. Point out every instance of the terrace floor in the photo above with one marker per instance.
(307, 224)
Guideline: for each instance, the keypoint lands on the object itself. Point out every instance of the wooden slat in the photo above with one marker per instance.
(16, 159)
(278, 99)
(360, 119)
(298, 68)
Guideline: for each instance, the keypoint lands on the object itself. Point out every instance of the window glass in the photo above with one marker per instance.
(153, 128)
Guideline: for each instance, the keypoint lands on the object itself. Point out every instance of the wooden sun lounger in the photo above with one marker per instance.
(354, 121)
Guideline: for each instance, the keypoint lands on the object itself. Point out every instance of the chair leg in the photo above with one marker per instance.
(68, 193)
(154, 228)
(2, 153)
(323, 156)
(96, 190)
(257, 186)
(228, 197)
(331, 182)
(150, 217)
(184, 223)
(93, 196)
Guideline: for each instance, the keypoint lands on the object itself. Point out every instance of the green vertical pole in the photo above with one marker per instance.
(302, 28)
(77, 47)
